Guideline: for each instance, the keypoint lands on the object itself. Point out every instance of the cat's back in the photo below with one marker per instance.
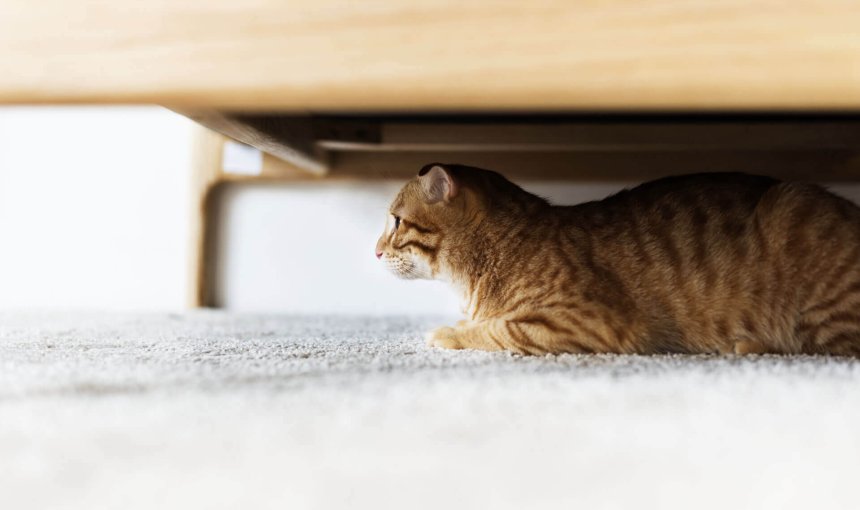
(663, 200)
(724, 207)
(719, 220)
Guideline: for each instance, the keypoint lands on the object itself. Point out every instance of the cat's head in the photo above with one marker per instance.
(437, 221)
(427, 209)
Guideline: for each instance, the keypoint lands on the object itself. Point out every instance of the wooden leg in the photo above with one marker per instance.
(210, 176)
(206, 175)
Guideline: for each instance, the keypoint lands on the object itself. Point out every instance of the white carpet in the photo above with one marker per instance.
(212, 410)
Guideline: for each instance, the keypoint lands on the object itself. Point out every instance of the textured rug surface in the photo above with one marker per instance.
(213, 410)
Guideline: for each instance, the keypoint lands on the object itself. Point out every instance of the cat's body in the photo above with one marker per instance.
(727, 263)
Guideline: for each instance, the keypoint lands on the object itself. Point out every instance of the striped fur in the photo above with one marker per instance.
(707, 263)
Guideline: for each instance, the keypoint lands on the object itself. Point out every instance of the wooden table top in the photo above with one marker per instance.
(443, 55)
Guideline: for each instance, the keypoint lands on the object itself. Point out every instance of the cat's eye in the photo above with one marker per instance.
(396, 222)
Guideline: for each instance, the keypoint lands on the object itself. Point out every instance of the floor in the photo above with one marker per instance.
(215, 410)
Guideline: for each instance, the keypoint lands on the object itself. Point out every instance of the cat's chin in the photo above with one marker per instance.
(409, 269)
(410, 273)
(413, 275)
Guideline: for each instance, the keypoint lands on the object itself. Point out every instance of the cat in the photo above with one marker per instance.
(705, 263)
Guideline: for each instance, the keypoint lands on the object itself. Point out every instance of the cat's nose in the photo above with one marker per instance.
(379, 254)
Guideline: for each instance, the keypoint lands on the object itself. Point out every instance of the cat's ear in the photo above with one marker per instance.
(437, 183)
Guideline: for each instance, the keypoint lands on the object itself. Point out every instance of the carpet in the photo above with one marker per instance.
(217, 410)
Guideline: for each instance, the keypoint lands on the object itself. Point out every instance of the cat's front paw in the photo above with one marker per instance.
(444, 337)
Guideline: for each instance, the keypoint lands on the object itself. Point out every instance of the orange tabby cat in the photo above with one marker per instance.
(726, 263)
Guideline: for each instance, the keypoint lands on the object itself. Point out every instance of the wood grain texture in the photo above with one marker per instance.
(434, 54)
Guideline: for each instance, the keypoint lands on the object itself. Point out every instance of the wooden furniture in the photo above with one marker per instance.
(543, 89)
(375, 55)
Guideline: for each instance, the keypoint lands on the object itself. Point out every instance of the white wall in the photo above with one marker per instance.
(93, 208)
